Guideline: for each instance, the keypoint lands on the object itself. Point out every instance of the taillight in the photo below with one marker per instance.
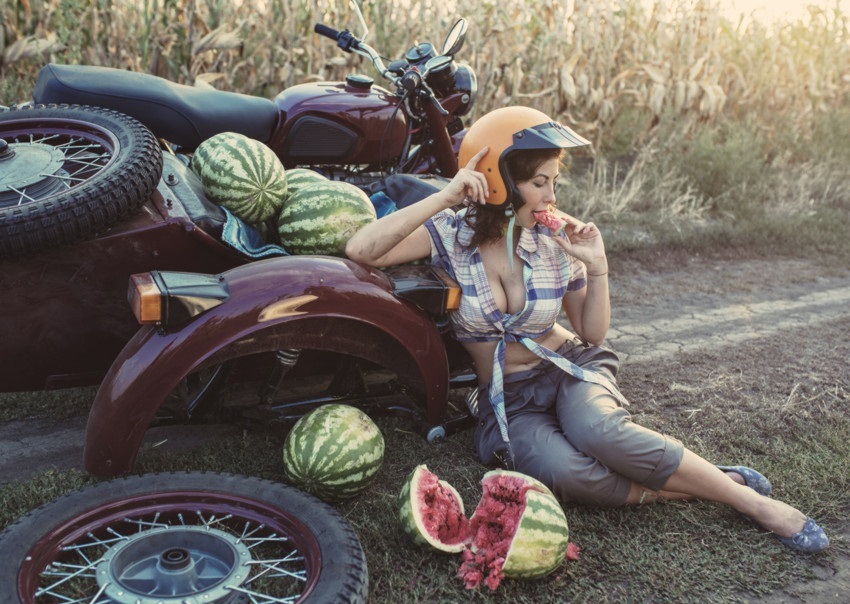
(171, 298)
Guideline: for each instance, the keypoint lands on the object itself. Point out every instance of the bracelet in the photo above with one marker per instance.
(597, 275)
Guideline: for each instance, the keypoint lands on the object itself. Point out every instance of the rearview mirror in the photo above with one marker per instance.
(455, 38)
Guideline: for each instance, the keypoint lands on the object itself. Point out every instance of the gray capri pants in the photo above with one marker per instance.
(573, 435)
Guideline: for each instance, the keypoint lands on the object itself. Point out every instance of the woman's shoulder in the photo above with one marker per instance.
(453, 222)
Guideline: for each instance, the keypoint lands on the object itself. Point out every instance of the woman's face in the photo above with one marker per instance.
(538, 192)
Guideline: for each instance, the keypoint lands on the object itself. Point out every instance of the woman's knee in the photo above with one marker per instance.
(589, 424)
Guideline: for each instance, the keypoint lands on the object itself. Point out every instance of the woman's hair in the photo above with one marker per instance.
(489, 221)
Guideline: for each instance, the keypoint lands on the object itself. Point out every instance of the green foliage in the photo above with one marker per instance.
(722, 162)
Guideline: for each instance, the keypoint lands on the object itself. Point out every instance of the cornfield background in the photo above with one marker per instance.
(615, 69)
(693, 116)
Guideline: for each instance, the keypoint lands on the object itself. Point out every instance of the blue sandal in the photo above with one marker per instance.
(808, 540)
(755, 480)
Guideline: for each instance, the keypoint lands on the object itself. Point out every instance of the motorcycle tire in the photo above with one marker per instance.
(70, 172)
(183, 537)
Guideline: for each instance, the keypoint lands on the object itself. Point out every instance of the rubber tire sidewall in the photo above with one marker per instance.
(343, 576)
(94, 205)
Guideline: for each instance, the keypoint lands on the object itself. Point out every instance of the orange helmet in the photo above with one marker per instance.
(505, 131)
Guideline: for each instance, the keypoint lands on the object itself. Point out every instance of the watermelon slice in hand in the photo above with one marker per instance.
(554, 223)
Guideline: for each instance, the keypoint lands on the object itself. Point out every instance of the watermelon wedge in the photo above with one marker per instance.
(554, 223)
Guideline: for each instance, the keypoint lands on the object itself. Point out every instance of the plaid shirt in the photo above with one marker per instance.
(548, 274)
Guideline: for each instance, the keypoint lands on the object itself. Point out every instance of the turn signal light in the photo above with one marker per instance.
(452, 289)
(145, 298)
(171, 299)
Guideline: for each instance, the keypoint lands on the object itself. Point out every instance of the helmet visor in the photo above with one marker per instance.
(549, 135)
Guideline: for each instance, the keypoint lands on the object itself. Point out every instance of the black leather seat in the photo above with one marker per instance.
(183, 115)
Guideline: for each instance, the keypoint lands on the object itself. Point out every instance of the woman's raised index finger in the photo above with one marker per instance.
(473, 161)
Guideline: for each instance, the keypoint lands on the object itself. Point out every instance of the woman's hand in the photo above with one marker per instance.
(468, 185)
(584, 242)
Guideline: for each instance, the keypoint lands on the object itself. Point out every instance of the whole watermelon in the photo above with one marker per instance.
(298, 178)
(333, 452)
(320, 218)
(518, 529)
(242, 175)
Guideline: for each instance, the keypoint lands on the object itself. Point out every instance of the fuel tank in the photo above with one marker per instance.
(351, 122)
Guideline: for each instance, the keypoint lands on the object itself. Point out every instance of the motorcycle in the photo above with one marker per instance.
(90, 196)
(354, 129)
(98, 209)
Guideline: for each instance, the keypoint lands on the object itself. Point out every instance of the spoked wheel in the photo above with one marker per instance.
(183, 538)
(69, 172)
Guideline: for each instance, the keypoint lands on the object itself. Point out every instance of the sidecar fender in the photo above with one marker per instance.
(290, 302)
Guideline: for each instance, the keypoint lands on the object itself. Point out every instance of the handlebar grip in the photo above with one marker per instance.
(328, 32)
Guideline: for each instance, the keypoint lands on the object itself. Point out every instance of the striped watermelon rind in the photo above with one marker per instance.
(540, 543)
(518, 529)
(321, 218)
(242, 175)
(298, 178)
(431, 512)
(333, 452)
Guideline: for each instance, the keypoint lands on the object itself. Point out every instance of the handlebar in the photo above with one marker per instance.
(350, 43)
(326, 31)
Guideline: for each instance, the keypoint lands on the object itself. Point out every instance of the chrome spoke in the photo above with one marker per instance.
(51, 163)
(22, 195)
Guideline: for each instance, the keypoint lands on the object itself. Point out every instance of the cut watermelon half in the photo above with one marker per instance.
(431, 512)
(518, 530)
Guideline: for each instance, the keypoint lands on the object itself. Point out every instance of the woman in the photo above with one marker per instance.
(549, 405)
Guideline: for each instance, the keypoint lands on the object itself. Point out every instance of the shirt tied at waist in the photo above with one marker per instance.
(497, 391)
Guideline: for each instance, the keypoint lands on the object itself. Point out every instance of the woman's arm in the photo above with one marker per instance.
(588, 309)
(401, 236)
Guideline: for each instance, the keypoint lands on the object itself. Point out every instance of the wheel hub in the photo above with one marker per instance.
(174, 565)
(24, 165)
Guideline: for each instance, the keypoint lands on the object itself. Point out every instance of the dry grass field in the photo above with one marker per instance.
(612, 68)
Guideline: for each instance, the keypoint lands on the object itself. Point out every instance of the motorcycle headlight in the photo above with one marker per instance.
(467, 82)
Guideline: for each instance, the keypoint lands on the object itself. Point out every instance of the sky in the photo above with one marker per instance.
(768, 11)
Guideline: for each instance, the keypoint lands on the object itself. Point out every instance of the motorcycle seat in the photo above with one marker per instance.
(181, 114)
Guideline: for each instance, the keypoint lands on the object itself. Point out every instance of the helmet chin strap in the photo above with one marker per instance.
(514, 203)
(510, 238)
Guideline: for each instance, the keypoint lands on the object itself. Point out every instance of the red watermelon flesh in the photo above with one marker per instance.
(493, 526)
(443, 516)
(554, 223)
